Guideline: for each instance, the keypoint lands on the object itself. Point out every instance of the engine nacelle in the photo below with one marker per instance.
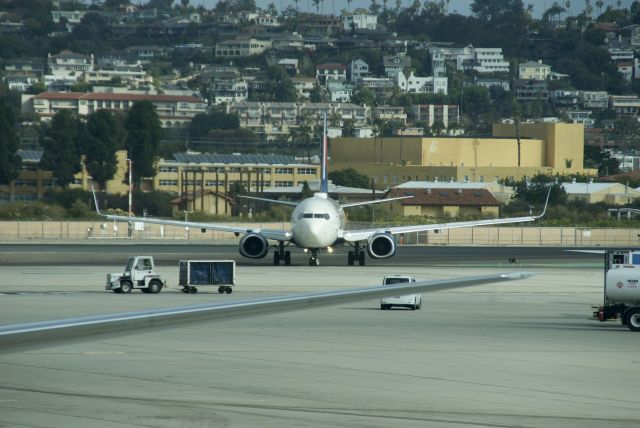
(253, 246)
(381, 246)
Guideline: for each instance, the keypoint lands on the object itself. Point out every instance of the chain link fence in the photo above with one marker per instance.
(486, 235)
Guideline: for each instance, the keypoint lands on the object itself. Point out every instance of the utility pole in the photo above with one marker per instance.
(130, 162)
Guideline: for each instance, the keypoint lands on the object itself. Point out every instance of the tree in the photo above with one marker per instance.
(202, 123)
(61, 152)
(9, 160)
(349, 177)
(363, 96)
(491, 10)
(306, 191)
(143, 135)
(103, 137)
(595, 157)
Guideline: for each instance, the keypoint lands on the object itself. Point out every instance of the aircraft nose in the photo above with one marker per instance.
(312, 234)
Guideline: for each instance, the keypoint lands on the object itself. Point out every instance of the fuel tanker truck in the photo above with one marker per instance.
(621, 288)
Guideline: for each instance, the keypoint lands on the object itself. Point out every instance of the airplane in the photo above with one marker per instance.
(20, 337)
(319, 223)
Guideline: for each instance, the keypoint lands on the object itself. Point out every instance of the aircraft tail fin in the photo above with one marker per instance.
(324, 181)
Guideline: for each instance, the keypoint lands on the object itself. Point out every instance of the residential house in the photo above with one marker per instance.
(393, 64)
(530, 90)
(481, 60)
(242, 46)
(331, 71)
(625, 104)
(358, 20)
(626, 68)
(288, 42)
(488, 82)
(339, 92)
(290, 65)
(594, 99)
(357, 70)
(128, 75)
(71, 17)
(561, 98)
(534, 70)
(581, 116)
(379, 86)
(421, 85)
(304, 86)
(388, 113)
(68, 63)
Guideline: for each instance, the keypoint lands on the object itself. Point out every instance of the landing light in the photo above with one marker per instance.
(329, 250)
(305, 250)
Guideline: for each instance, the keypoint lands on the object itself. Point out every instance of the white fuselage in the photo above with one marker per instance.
(317, 222)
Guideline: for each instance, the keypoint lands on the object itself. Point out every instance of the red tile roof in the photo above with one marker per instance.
(445, 197)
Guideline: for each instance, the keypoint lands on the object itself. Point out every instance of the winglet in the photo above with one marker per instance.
(95, 200)
(546, 204)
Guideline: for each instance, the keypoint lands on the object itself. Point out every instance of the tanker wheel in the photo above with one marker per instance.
(632, 319)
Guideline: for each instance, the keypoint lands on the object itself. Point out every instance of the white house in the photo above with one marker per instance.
(421, 85)
(359, 19)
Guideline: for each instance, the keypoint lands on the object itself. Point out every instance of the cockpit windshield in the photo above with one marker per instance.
(315, 215)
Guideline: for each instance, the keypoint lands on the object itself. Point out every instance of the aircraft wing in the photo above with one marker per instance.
(48, 333)
(274, 234)
(362, 234)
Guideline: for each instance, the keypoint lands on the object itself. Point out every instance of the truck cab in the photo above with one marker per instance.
(138, 273)
(411, 301)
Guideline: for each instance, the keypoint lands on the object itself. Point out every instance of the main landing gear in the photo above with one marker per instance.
(281, 255)
(357, 254)
(313, 258)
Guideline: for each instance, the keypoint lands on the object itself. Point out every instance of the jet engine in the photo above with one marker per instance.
(253, 246)
(381, 246)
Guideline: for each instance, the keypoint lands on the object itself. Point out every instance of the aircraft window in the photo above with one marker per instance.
(326, 216)
(318, 216)
(307, 215)
(299, 216)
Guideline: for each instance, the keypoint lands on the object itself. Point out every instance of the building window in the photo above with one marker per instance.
(168, 169)
(168, 182)
(308, 171)
(284, 170)
(283, 184)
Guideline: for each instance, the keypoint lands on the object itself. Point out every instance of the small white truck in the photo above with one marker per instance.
(411, 301)
(139, 273)
(621, 288)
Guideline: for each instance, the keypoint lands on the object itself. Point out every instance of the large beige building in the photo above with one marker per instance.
(186, 175)
(546, 148)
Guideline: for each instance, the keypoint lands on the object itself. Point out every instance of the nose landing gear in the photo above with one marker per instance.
(313, 258)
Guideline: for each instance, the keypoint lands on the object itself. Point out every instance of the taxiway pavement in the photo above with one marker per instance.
(522, 354)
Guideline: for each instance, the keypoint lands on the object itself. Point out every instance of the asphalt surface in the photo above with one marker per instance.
(518, 354)
(102, 254)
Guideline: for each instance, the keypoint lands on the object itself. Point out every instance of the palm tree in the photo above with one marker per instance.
(599, 4)
(567, 5)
